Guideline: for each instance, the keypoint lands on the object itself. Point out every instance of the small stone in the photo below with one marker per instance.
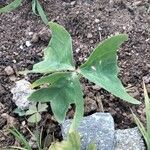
(12, 78)
(9, 70)
(35, 38)
(77, 50)
(90, 105)
(100, 29)
(73, 3)
(21, 46)
(33, 143)
(11, 121)
(89, 35)
(146, 79)
(137, 3)
(96, 87)
(44, 34)
(30, 33)
(2, 122)
(148, 65)
(28, 43)
(129, 139)
(2, 90)
(20, 92)
(97, 20)
(97, 128)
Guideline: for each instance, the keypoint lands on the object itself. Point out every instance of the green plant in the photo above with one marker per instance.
(73, 142)
(36, 8)
(25, 144)
(35, 111)
(145, 131)
(61, 83)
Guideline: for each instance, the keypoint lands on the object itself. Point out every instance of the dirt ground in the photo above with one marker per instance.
(89, 22)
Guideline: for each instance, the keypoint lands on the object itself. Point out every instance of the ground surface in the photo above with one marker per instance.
(88, 21)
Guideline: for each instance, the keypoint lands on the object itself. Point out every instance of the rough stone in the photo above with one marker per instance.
(129, 139)
(20, 93)
(9, 70)
(98, 128)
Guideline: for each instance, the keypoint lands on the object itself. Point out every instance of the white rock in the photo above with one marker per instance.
(28, 43)
(9, 70)
(20, 92)
(97, 20)
(21, 46)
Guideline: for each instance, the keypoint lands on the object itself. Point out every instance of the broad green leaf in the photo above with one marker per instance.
(58, 54)
(34, 118)
(42, 107)
(13, 5)
(50, 79)
(41, 12)
(147, 109)
(72, 143)
(101, 67)
(61, 94)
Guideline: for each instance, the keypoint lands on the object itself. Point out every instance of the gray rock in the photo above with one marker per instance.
(129, 139)
(20, 92)
(98, 128)
(9, 70)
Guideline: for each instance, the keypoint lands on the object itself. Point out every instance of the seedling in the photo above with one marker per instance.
(35, 112)
(145, 131)
(36, 8)
(73, 142)
(23, 141)
(61, 83)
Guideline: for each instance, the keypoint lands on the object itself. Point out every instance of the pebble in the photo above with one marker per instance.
(9, 70)
(97, 20)
(44, 34)
(21, 46)
(89, 35)
(73, 3)
(90, 105)
(2, 90)
(28, 43)
(146, 79)
(35, 38)
(20, 92)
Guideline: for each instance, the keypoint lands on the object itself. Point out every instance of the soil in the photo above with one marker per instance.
(89, 22)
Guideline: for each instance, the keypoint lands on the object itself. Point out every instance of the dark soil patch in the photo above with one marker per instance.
(89, 22)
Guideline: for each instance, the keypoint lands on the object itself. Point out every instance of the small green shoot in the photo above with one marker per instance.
(35, 112)
(145, 131)
(61, 83)
(21, 139)
(36, 8)
(73, 142)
